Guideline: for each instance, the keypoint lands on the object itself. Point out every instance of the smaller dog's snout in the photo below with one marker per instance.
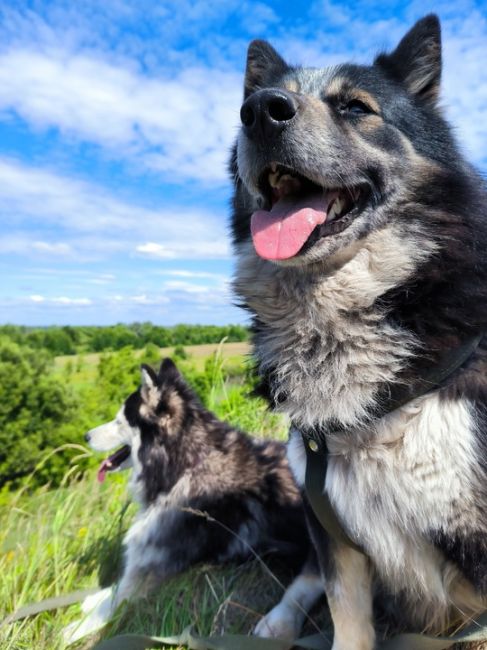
(87, 437)
(267, 112)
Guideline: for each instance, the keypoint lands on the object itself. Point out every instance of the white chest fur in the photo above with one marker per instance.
(413, 475)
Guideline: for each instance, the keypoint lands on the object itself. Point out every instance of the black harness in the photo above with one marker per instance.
(317, 452)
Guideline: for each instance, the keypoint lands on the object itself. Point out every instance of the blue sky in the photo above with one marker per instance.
(116, 118)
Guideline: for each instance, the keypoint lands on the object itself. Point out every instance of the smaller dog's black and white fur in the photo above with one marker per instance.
(183, 457)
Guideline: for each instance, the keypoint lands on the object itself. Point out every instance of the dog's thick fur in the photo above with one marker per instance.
(368, 304)
(183, 457)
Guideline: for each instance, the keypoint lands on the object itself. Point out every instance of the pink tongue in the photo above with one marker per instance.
(102, 472)
(282, 232)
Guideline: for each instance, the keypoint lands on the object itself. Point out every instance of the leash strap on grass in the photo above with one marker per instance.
(476, 631)
(48, 604)
(216, 642)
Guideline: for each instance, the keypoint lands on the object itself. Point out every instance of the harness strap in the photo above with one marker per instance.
(316, 467)
(317, 453)
(450, 361)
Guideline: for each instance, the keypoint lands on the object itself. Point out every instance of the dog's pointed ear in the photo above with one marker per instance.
(149, 377)
(168, 369)
(263, 64)
(416, 61)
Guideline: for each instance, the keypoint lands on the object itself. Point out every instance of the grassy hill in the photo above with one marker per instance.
(54, 541)
(59, 541)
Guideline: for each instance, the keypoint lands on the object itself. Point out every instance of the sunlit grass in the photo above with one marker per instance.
(59, 541)
(56, 541)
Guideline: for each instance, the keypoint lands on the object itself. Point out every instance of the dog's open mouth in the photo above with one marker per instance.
(113, 462)
(300, 212)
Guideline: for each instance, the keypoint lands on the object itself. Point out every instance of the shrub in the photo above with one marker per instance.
(34, 404)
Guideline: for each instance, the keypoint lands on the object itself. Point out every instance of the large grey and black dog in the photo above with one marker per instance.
(185, 460)
(361, 239)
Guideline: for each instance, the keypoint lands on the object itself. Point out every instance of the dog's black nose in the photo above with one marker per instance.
(267, 112)
(87, 437)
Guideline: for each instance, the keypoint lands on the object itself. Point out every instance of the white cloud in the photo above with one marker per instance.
(104, 278)
(195, 249)
(151, 249)
(99, 223)
(188, 287)
(181, 273)
(21, 244)
(55, 248)
(146, 300)
(182, 125)
(61, 300)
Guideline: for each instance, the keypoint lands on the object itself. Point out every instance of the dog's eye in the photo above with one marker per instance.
(355, 107)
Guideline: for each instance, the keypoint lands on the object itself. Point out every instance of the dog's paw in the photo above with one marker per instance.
(95, 600)
(98, 609)
(280, 623)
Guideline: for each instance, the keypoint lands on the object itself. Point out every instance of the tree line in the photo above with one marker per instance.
(47, 404)
(81, 339)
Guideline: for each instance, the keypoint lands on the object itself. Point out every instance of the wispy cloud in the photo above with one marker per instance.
(39, 197)
(181, 273)
(61, 300)
(198, 249)
(181, 124)
(24, 245)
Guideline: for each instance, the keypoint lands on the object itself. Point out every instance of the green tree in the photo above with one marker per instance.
(34, 404)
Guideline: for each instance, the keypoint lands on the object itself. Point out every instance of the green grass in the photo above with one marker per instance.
(236, 352)
(62, 540)
(55, 541)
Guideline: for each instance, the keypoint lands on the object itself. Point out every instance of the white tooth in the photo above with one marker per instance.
(332, 213)
(274, 179)
(273, 167)
(338, 205)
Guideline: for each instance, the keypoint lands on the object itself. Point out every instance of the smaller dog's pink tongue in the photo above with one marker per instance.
(280, 233)
(103, 469)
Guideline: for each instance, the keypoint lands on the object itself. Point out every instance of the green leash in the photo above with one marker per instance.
(476, 631)
(47, 605)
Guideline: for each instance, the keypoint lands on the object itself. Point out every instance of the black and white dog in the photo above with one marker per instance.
(361, 240)
(183, 457)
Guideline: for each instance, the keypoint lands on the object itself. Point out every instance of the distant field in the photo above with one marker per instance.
(198, 352)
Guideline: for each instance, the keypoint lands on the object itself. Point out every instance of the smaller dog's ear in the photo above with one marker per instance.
(416, 61)
(168, 368)
(149, 377)
(263, 64)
